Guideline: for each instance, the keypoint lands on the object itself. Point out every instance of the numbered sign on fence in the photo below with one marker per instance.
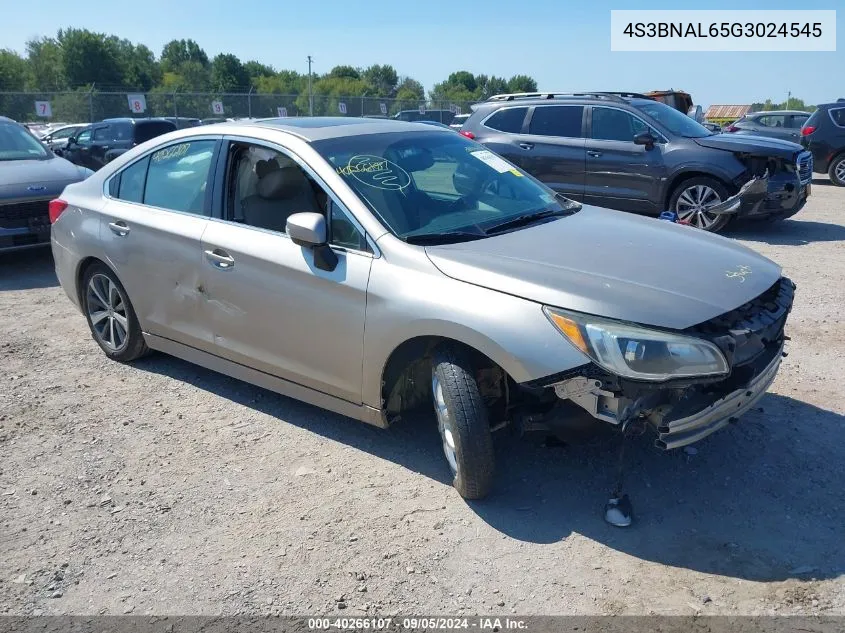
(137, 103)
(42, 108)
(383, 108)
(422, 108)
(342, 107)
(282, 111)
(217, 107)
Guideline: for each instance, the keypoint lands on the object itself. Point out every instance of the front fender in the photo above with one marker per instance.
(404, 303)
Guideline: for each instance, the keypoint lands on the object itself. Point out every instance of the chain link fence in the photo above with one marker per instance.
(90, 106)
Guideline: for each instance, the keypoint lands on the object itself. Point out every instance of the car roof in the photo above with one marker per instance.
(767, 112)
(128, 119)
(5, 119)
(321, 128)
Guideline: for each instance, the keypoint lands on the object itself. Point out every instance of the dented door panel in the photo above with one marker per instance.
(156, 255)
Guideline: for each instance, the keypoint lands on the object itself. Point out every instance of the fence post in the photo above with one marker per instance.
(175, 108)
(249, 102)
(91, 104)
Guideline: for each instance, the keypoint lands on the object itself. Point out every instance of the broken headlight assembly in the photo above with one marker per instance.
(639, 353)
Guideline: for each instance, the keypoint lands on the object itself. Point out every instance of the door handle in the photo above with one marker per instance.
(527, 145)
(220, 259)
(119, 228)
(593, 153)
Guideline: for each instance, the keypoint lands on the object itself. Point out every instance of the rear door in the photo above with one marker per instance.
(101, 140)
(794, 123)
(151, 226)
(554, 149)
(621, 174)
(503, 132)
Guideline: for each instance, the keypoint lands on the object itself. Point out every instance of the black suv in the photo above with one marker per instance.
(629, 152)
(824, 135)
(101, 142)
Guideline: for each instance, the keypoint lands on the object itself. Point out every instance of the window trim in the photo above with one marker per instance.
(558, 105)
(659, 136)
(209, 187)
(277, 147)
(508, 107)
(830, 114)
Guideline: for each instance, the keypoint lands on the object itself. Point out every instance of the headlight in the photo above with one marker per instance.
(636, 352)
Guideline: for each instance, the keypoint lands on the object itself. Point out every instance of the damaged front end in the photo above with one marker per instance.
(684, 410)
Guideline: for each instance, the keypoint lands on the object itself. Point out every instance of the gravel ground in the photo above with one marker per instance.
(164, 488)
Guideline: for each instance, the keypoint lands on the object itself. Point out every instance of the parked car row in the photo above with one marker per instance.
(824, 135)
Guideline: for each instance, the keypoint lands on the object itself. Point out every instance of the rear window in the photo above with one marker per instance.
(507, 120)
(557, 121)
(150, 129)
(838, 116)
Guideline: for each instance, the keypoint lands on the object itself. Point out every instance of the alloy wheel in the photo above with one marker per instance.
(839, 171)
(106, 307)
(693, 203)
(444, 424)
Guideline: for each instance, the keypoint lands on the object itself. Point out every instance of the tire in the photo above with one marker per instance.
(463, 422)
(836, 171)
(689, 193)
(109, 313)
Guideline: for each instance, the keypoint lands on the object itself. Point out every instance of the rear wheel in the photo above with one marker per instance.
(110, 315)
(691, 199)
(837, 171)
(463, 423)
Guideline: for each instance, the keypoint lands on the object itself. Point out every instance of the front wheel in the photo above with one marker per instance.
(837, 171)
(691, 199)
(463, 423)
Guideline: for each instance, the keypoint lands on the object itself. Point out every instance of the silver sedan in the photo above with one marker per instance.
(369, 267)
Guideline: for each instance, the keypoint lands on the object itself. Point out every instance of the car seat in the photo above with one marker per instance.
(280, 192)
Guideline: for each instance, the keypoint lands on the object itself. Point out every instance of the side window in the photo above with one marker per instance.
(266, 187)
(178, 175)
(507, 120)
(797, 121)
(771, 120)
(101, 133)
(342, 232)
(557, 121)
(610, 124)
(838, 116)
(84, 137)
(132, 179)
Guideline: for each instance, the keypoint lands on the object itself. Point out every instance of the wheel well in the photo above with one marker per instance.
(84, 265)
(406, 378)
(689, 175)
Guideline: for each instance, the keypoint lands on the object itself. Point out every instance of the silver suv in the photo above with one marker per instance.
(369, 267)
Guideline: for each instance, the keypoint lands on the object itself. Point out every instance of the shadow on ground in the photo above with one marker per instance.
(28, 269)
(761, 500)
(786, 232)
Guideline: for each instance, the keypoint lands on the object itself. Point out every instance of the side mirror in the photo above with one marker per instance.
(645, 138)
(71, 141)
(309, 231)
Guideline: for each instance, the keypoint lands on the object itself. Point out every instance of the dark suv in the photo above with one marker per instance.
(629, 152)
(101, 142)
(824, 135)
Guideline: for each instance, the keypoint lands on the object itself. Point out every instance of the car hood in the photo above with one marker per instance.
(615, 265)
(754, 145)
(41, 178)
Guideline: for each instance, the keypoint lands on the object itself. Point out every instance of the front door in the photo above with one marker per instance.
(269, 306)
(621, 174)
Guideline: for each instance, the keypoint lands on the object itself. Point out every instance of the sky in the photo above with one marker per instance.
(563, 44)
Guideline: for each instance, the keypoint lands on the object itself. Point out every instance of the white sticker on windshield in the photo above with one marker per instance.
(489, 158)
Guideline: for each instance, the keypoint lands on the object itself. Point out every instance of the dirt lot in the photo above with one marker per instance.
(164, 488)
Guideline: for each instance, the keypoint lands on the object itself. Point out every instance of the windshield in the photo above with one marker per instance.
(18, 144)
(673, 120)
(436, 184)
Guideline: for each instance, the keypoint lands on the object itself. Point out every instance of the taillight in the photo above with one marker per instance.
(55, 209)
(469, 135)
(732, 128)
(807, 130)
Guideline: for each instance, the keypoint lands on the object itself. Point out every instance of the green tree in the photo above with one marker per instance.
(139, 66)
(178, 52)
(45, 65)
(13, 70)
(255, 69)
(410, 89)
(228, 73)
(344, 72)
(522, 83)
(382, 80)
(90, 58)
